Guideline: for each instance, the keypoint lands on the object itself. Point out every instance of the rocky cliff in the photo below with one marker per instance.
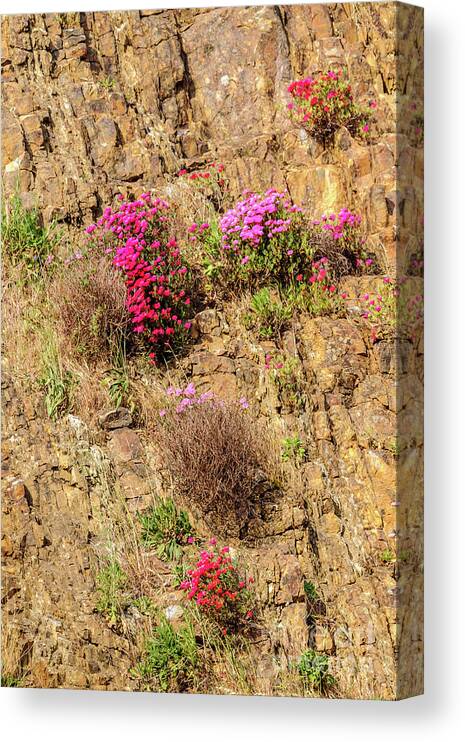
(102, 103)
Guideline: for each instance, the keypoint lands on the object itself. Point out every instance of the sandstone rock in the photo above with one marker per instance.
(291, 583)
(116, 418)
(294, 638)
(125, 445)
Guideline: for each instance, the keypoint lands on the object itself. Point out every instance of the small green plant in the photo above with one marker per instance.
(107, 83)
(111, 584)
(314, 670)
(310, 590)
(267, 316)
(287, 376)
(117, 380)
(166, 528)
(313, 300)
(11, 681)
(387, 556)
(171, 657)
(26, 241)
(292, 449)
(209, 240)
(56, 382)
(144, 605)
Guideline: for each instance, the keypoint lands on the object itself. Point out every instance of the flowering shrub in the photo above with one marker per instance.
(136, 234)
(268, 238)
(264, 237)
(215, 584)
(213, 449)
(325, 103)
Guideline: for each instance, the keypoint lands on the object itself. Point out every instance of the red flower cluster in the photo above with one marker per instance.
(216, 586)
(136, 233)
(321, 274)
(214, 168)
(324, 104)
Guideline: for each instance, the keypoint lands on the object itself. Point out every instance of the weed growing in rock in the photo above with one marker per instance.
(211, 182)
(324, 103)
(171, 657)
(166, 529)
(118, 383)
(56, 381)
(111, 586)
(286, 373)
(268, 316)
(314, 671)
(396, 309)
(27, 242)
(292, 449)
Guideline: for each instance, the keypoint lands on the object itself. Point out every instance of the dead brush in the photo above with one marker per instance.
(217, 456)
(90, 303)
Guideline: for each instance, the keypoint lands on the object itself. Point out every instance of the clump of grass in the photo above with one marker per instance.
(165, 528)
(310, 590)
(292, 449)
(117, 380)
(11, 681)
(313, 300)
(90, 303)
(171, 657)
(56, 381)
(113, 599)
(286, 372)
(27, 242)
(314, 671)
(268, 317)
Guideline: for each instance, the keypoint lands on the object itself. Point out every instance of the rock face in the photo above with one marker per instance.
(333, 528)
(101, 103)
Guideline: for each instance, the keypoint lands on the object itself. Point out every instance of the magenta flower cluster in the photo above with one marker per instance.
(136, 235)
(256, 218)
(339, 224)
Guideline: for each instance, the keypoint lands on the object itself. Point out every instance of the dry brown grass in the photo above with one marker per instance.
(216, 454)
(90, 309)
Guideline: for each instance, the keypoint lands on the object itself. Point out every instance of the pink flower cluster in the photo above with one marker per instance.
(216, 585)
(341, 224)
(256, 219)
(187, 398)
(136, 234)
